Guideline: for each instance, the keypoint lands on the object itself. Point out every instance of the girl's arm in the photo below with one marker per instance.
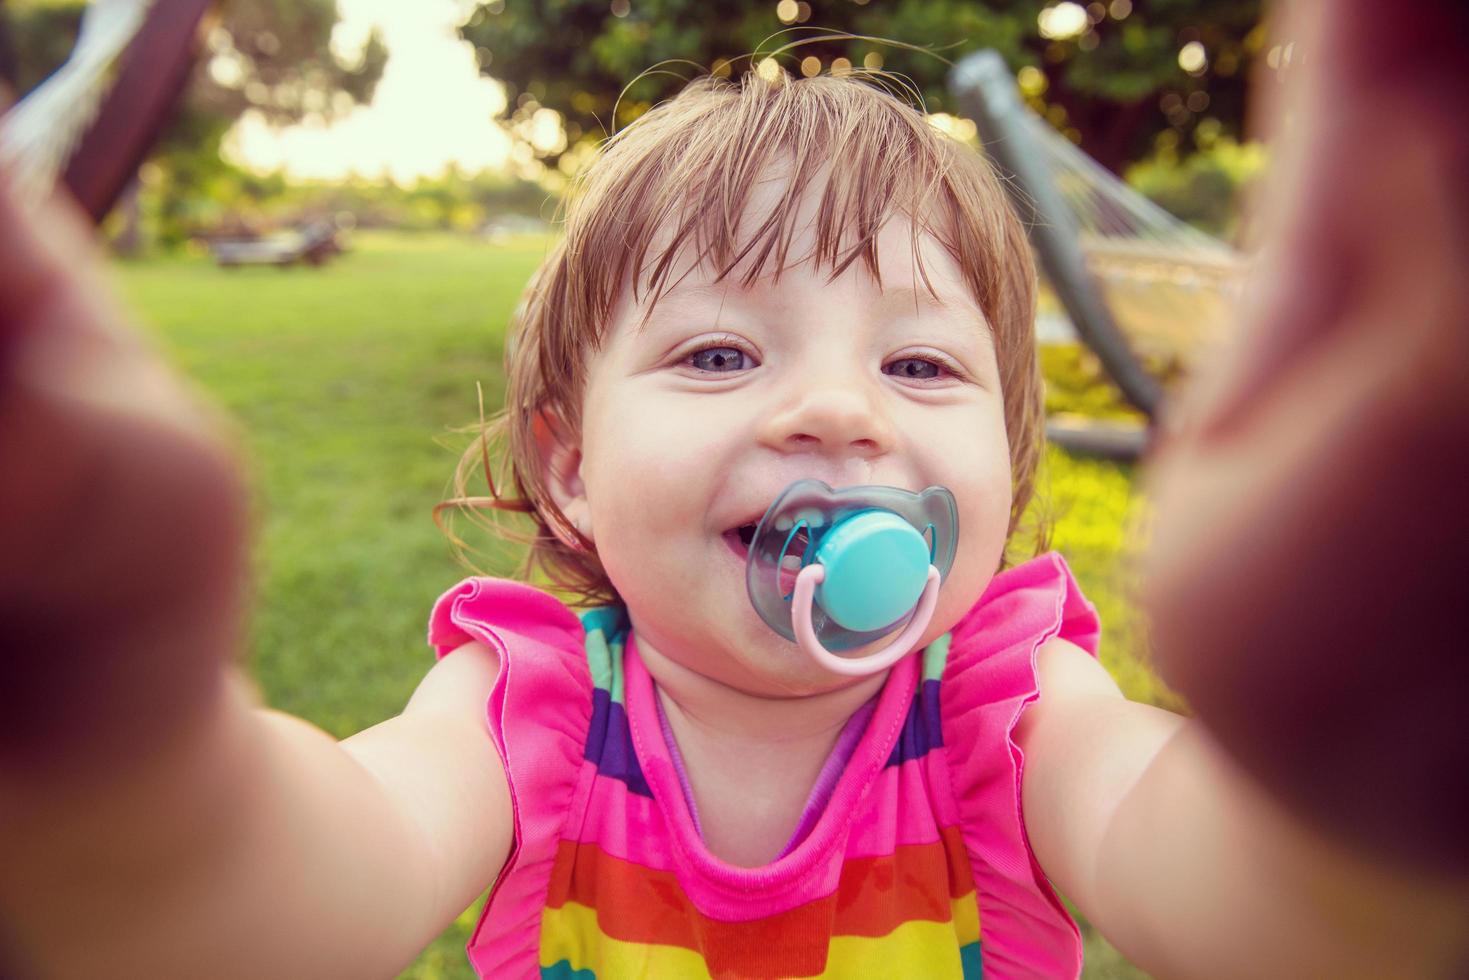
(1190, 869)
(1307, 570)
(154, 820)
(256, 845)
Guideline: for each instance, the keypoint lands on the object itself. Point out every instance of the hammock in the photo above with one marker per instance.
(1149, 294)
(1169, 286)
(92, 122)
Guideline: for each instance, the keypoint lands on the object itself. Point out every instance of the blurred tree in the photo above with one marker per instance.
(1207, 189)
(1123, 77)
(282, 59)
(35, 37)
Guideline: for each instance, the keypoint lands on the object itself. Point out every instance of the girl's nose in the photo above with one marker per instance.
(837, 416)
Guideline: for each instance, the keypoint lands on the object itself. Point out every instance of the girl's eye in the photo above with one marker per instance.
(719, 360)
(917, 368)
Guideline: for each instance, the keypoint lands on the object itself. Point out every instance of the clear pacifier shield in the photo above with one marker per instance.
(875, 545)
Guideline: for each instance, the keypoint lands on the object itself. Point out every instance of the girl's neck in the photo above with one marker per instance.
(751, 760)
(717, 710)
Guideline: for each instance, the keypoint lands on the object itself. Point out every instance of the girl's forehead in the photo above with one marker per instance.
(911, 266)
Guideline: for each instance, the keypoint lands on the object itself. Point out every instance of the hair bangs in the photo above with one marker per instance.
(680, 189)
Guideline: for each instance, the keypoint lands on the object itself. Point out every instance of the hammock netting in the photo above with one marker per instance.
(1170, 287)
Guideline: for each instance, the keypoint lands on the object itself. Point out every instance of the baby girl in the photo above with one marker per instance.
(759, 282)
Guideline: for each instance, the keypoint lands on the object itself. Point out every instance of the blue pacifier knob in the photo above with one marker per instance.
(876, 567)
(838, 569)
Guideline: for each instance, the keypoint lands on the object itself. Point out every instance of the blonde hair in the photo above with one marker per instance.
(681, 177)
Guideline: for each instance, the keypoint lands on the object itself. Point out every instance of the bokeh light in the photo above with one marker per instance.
(1032, 81)
(1063, 21)
(958, 127)
(1192, 58)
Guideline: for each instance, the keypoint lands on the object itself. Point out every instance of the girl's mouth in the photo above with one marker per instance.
(739, 538)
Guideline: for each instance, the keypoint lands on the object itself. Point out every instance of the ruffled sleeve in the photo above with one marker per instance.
(538, 713)
(989, 679)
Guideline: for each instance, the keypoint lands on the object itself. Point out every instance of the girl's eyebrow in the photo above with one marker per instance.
(681, 294)
(905, 296)
(696, 290)
(918, 298)
(958, 312)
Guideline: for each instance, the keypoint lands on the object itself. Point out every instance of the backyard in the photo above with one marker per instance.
(344, 383)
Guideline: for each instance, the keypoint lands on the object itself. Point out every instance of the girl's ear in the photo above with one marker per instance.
(560, 454)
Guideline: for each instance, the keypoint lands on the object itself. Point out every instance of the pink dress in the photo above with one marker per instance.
(913, 862)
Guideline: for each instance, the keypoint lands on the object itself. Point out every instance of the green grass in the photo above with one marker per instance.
(342, 378)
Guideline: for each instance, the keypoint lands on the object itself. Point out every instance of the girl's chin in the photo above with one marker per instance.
(784, 673)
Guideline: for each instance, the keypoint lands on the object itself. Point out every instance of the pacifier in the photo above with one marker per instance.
(837, 569)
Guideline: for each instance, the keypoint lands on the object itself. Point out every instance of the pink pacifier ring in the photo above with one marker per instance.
(805, 595)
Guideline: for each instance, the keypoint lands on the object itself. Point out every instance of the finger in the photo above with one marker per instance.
(1314, 620)
(45, 251)
(121, 509)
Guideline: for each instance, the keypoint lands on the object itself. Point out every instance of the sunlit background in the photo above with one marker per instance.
(333, 233)
(436, 95)
(430, 111)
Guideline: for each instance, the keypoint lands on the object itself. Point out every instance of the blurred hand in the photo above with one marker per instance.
(1310, 564)
(122, 518)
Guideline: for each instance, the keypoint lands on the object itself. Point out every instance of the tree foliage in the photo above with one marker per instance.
(1115, 83)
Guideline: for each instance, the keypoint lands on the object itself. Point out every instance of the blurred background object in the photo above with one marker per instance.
(40, 136)
(281, 68)
(286, 95)
(1145, 291)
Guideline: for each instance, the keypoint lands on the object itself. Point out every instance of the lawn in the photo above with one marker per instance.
(345, 381)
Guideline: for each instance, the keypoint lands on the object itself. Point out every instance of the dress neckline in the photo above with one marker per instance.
(822, 789)
(824, 838)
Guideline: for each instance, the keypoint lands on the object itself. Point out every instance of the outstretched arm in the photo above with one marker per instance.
(154, 820)
(1190, 868)
(256, 845)
(1307, 572)
(1307, 576)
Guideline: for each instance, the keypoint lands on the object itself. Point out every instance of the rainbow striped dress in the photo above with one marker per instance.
(915, 866)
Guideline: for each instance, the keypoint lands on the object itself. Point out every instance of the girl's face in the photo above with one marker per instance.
(694, 421)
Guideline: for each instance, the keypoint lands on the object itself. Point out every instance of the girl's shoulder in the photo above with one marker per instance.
(990, 674)
(509, 616)
(987, 680)
(556, 717)
(539, 710)
(1022, 608)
